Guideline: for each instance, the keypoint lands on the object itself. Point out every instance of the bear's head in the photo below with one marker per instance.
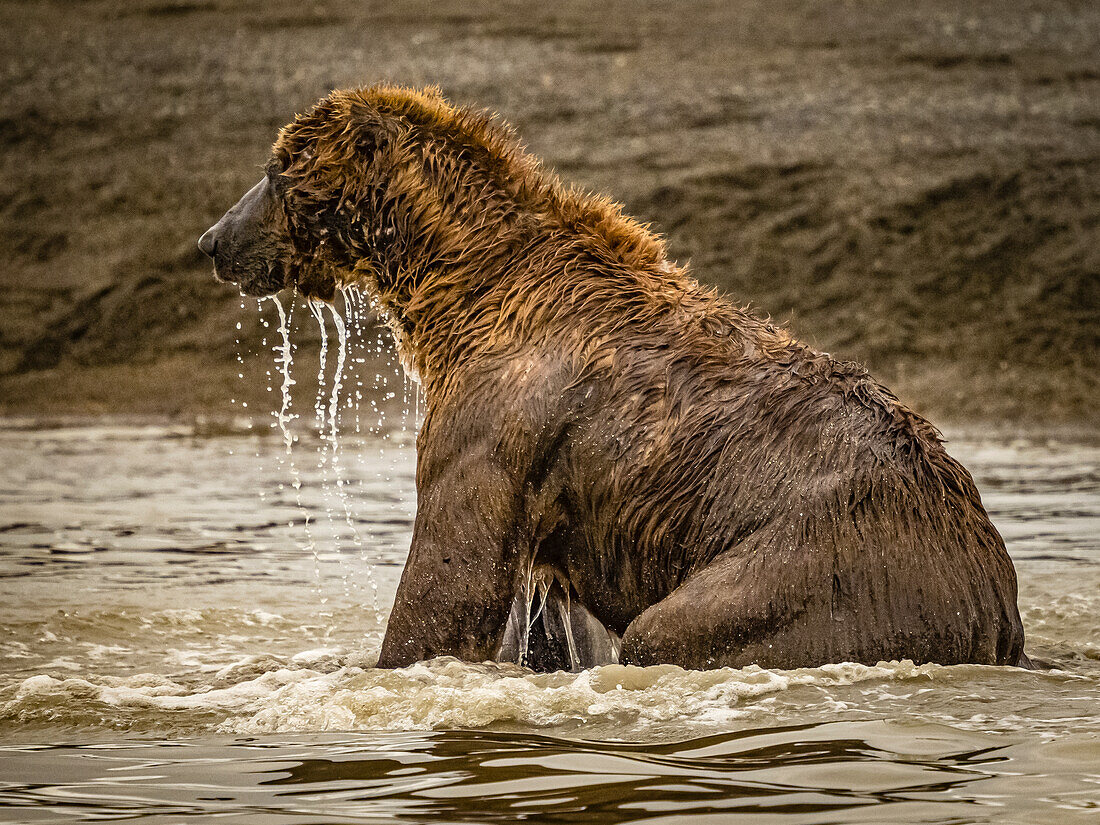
(329, 205)
(397, 190)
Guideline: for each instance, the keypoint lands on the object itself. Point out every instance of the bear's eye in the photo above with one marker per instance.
(275, 167)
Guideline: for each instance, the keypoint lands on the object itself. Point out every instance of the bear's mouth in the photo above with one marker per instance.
(256, 285)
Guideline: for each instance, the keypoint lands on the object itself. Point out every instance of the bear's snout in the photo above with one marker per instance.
(208, 243)
(244, 243)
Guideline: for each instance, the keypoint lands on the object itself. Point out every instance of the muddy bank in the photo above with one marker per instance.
(914, 187)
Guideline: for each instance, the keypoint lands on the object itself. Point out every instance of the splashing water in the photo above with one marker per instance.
(356, 309)
(340, 394)
(284, 419)
(340, 357)
(371, 411)
(283, 361)
(326, 411)
(316, 309)
(339, 476)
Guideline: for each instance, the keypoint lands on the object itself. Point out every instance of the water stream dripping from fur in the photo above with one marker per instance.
(534, 602)
(355, 310)
(284, 418)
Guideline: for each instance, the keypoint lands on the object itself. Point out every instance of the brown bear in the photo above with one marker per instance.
(672, 467)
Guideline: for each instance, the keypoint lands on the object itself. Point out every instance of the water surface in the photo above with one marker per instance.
(176, 639)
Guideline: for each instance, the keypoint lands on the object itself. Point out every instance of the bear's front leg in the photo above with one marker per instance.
(460, 577)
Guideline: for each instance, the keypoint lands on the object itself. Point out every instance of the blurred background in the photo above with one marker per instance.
(912, 185)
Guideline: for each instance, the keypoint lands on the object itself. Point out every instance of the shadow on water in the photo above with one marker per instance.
(803, 773)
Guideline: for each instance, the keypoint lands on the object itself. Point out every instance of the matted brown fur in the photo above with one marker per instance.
(706, 486)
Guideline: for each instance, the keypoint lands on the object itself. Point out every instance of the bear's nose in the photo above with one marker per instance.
(208, 243)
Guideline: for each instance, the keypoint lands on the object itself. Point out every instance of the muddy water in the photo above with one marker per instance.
(176, 640)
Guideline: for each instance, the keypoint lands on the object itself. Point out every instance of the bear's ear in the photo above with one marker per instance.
(370, 131)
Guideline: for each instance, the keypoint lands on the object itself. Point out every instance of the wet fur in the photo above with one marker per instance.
(711, 489)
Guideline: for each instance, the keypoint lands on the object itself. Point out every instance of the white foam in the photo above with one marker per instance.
(328, 689)
(450, 694)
